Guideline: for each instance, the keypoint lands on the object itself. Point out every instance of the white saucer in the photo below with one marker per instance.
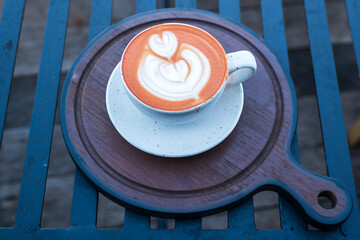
(163, 140)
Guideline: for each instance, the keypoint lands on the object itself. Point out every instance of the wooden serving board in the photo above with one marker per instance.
(254, 157)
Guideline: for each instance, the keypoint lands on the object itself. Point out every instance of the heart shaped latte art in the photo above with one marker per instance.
(165, 46)
(177, 80)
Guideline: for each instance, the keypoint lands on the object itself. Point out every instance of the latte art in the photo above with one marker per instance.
(165, 46)
(169, 78)
(174, 67)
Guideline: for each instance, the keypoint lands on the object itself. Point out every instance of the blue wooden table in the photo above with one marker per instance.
(85, 197)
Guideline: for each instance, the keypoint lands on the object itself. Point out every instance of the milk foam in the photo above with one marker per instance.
(173, 80)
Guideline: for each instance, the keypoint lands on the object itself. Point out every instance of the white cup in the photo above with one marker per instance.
(241, 66)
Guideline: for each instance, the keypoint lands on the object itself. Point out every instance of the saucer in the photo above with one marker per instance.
(164, 140)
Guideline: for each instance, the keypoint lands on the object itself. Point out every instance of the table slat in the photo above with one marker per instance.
(353, 11)
(274, 34)
(163, 4)
(331, 117)
(10, 26)
(242, 216)
(100, 16)
(274, 30)
(145, 5)
(31, 197)
(185, 3)
(116, 234)
(230, 8)
(85, 197)
(329, 104)
(84, 203)
(135, 222)
(193, 226)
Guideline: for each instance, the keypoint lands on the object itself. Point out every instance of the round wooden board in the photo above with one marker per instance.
(255, 155)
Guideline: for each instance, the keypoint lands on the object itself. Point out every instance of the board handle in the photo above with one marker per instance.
(325, 201)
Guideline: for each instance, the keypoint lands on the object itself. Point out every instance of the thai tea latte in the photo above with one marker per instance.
(174, 67)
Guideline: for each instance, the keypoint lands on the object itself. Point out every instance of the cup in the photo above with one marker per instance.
(175, 72)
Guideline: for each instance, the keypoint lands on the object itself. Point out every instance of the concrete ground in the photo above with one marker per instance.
(59, 185)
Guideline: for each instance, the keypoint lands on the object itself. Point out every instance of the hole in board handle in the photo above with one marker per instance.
(327, 200)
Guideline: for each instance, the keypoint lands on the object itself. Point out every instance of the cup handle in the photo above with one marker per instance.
(242, 65)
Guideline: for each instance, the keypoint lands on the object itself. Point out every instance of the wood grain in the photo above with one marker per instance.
(255, 156)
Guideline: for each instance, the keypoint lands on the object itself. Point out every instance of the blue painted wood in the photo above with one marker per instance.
(241, 218)
(230, 9)
(84, 203)
(164, 4)
(145, 5)
(332, 122)
(274, 34)
(190, 228)
(185, 3)
(85, 197)
(30, 203)
(295, 148)
(274, 30)
(115, 234)
(10, 26)
(134, 221)
(353, 11)
(100, 16)
(242, 215)
(329, 104)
